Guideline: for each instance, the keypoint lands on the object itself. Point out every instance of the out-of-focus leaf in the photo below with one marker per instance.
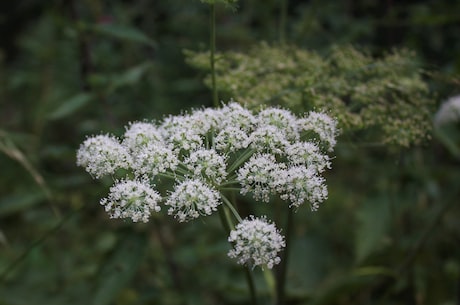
(119, 268)
(373, 220)
(123, 32)
(308, 258)
(19, 202)
(374, 270)
(8, 147)
(69, 106)
(445, 137)
(130, 76)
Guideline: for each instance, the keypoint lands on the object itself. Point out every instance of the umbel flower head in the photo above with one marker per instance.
(192, 198)
(265, 154)
(102, 155)
(449, 112)
(256, 242)
(131, 199)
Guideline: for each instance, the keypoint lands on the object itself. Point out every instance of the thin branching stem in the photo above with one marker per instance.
(282, 22)
(282, 269)
(252, 286)
(215, 98)
(231, 208)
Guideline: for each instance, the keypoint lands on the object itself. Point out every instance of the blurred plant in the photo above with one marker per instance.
(446, 122)
(384, 98)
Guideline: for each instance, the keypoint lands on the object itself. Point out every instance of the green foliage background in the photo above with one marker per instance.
(389, 233)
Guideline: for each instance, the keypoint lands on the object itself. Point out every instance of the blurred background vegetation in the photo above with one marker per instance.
(389, 233)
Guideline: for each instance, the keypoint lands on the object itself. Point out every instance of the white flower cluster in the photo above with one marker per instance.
(269, 153)
(448, 112)
(256, 242)
(131, 199)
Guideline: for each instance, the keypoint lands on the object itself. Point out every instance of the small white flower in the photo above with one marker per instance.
(321, 124)
(282, 119)
(131, 199)
(233, 114)
(299, 184)
(192, 198)
(257, 175)
(269, 139)
(102, 155)
(208, 164)
(139, 134)
(309, 154)
(256, 242)
(154, 158)
(449, 112)
(182, 132)
(231, 139)
(206, 120)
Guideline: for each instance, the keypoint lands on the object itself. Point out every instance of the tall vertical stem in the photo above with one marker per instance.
(227, 223)
(282, 269)
(252, 287)
(215, 99)
(282, 22)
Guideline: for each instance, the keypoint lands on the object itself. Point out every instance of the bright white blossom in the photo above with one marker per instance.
(192, 198)
(309, 154)
(231, 139)
(140, 134)
(449, 112)
(256, 242)
(268, 153)
(208, 164)
(102, 155)
(269, 139)
(233, 114)
(323, 125)
(299, 184)
(131, 199)
(182, 132)
(154, 158)
(257, 175)
(194, 156)
(282, 119)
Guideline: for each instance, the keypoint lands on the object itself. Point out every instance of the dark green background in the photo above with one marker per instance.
(389, 233)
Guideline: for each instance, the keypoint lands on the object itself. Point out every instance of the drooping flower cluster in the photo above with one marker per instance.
(272, 153)
(256, 243)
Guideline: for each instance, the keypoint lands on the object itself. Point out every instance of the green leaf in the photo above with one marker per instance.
(130, 76)
(69, 106)
(119, 268)
(124, 32)
(373, 219)
(19, 202)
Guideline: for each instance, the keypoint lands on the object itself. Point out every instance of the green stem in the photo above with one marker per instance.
(241, 159)
(228, 225)
(282, 25)
(282, 269)
(252, 286)
(230, 206)
(215, 99)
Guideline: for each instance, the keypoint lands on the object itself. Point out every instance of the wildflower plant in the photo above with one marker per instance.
(207, 154)
(383, 99)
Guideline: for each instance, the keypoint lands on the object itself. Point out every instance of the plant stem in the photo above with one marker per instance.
(215, 99)
(252, 286)
(282, 270)
(228, 226)
(282, 24)
(231, 208)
